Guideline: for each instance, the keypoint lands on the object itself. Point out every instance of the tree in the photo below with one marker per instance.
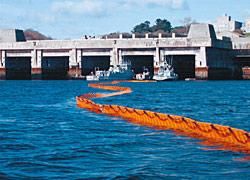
(163, 25)
(160, 25)
(142, 28)
(31, 34)
(187, 21)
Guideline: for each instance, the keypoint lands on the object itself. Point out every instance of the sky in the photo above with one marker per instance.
(71, 19)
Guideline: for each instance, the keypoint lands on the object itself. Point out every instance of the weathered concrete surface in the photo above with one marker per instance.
(246, 73)
(201, 73)
(241, 43)
(2, 73)
(225, 23)
(36, 73)
(92, 44)
(220, 63)
(75, 72)
(202, 31)
(11, 35)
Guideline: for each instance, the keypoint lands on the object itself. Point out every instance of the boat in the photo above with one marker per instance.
(190, 79)
(119, 72)
(92, 77)
(97, 75)
(165, 72)
(78, 77)
(145, 75)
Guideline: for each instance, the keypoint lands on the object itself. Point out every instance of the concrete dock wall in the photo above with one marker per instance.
(220, 63)
(212, 57)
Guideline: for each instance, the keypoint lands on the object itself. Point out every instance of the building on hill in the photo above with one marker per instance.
(246, 27)
(225, 23)
(229, 34)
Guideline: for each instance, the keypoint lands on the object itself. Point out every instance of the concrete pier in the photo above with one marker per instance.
(2, 64)
(200, 55)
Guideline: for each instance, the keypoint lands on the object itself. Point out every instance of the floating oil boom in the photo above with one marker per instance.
(223, 137)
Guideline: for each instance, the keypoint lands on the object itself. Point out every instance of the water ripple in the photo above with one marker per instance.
(45, 136)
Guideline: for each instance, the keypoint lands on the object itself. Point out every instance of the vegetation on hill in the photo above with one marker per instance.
(160, 24)
(31, 34)
(164, 26)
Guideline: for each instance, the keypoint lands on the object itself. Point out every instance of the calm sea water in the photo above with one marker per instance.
(44, 135)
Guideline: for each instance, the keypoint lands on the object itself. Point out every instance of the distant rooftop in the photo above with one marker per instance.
(202, 31)
(11, 35)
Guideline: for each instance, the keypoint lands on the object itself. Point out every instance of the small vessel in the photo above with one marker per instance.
(97, 75)
(119, 72)
(145, 75)
(190, 79)
(165, 73)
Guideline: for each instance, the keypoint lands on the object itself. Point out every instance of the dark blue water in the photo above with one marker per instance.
(44, 135)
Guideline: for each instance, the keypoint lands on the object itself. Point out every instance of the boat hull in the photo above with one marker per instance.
(159, 78)
(92, 78)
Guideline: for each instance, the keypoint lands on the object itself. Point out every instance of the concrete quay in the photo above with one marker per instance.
(200, 55)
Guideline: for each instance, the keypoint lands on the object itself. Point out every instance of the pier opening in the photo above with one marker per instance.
(55, 67)
(220, 73)
(18, 68)
(90, 63)
(184, 65)
(139, 62)
(243, 67)
(243, 61)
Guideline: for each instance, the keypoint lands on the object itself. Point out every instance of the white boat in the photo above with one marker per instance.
(145, 75)
(190, 79)
(97, 75)
(92, 78)
(119, 72)
(165, 73)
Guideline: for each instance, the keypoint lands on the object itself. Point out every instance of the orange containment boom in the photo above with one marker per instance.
(223, 137)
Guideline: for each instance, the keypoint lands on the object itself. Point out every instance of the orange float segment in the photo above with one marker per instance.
(229, 138)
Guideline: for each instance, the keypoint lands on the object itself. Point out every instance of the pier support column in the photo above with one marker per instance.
(36, 64)
(2, 64)
(114, 60)
(157, 59)
(201, 73)
(75, 63)
(246, 73)
(201, 69)
(120, 56)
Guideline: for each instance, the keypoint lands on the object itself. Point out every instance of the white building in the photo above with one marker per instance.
(246, 27)
(225, 23)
